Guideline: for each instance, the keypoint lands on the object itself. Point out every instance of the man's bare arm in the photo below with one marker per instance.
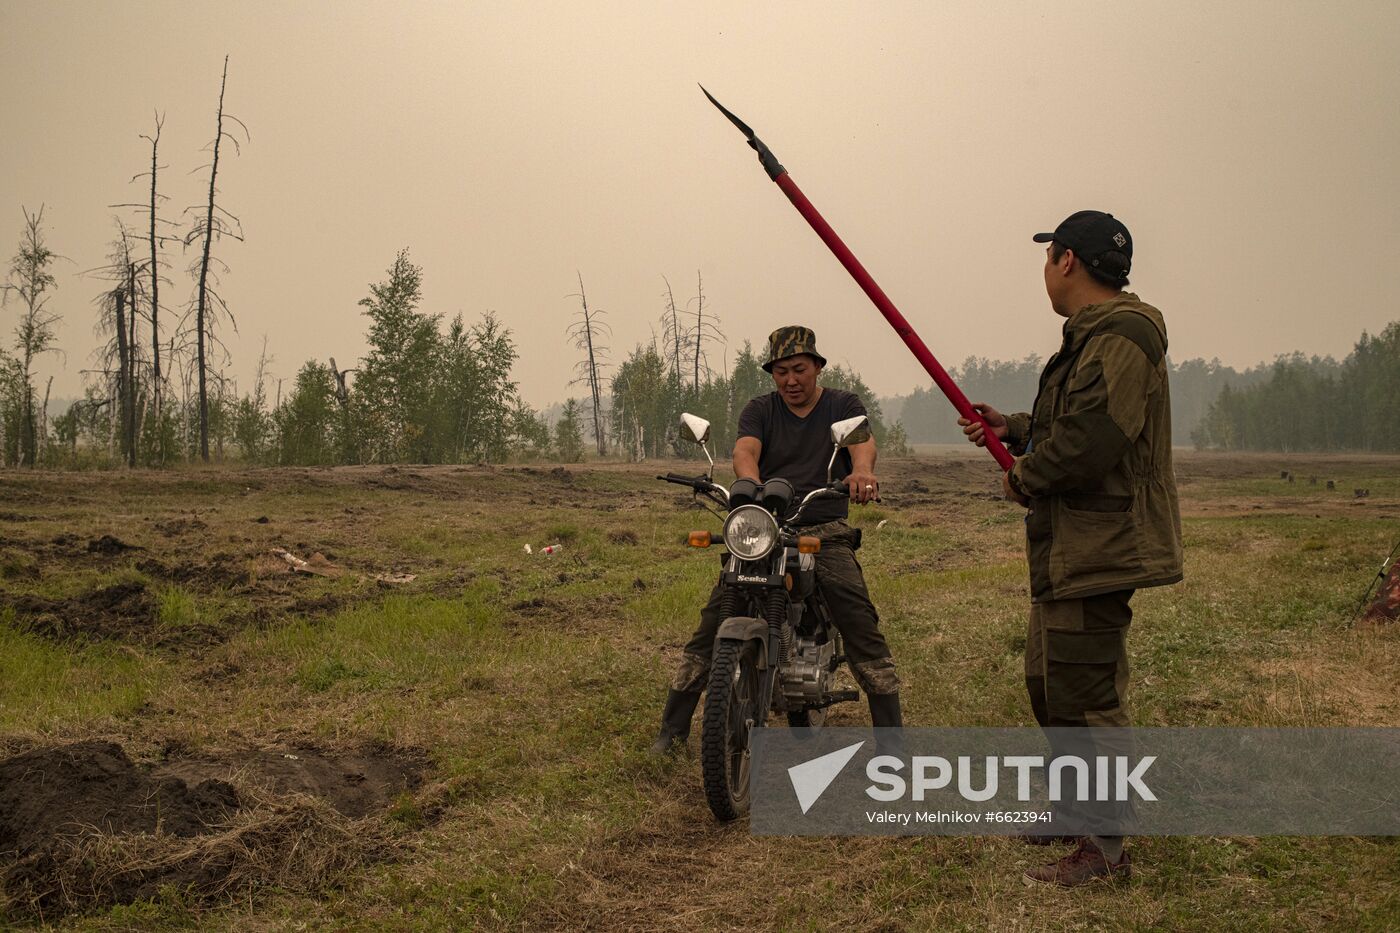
(746, 451)
(862, 483)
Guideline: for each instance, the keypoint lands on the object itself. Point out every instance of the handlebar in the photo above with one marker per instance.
(693, 482)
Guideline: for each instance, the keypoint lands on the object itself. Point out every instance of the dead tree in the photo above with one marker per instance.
(133, 416)
(676, 335)
(157, 383)
(44, 421)
(216, 224)
(118, 307)
(342, 391)
(704, 329)
(123, 368)
(155, 288)
(586, 333)
(156, 267)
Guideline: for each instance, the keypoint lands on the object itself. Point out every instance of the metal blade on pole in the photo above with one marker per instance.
(868, 284)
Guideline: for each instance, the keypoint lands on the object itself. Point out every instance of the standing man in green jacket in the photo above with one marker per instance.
(1094, 471)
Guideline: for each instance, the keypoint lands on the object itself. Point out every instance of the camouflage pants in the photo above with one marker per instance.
(843, 585)
(1077, 660)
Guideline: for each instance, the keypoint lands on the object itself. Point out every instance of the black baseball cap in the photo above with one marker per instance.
(1099, 239)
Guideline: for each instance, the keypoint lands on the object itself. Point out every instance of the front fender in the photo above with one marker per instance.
(744, 628)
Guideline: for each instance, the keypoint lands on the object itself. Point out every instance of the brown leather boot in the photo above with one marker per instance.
(1084, 865)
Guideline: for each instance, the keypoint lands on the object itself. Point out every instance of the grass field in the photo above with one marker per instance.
(466, 749)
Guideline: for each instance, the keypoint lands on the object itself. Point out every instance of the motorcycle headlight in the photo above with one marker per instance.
(751, 532)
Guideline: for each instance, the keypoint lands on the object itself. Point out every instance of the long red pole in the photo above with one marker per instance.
(867, 283)
(901, 326)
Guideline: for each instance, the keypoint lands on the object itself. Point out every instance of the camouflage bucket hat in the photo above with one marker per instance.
(791, 341)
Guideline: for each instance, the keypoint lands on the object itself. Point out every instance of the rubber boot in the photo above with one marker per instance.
(885, 716)
(884, 710)
(675, 721)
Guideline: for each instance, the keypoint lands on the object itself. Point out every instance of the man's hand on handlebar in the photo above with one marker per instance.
(863, 486)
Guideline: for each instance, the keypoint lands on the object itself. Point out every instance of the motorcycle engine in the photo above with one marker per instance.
(807, 676)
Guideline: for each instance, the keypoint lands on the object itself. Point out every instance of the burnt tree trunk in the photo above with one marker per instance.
(699, 325)
(156, 388)
(123, 353)
(593, 383)
(44, 421)
(676, 335)
(131, 419)
(202, 309)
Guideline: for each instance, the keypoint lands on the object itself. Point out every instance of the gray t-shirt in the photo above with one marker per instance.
(797, 449)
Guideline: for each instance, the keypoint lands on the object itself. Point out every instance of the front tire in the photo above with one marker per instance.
(731, 714)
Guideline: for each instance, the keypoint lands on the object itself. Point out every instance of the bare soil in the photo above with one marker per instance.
(89, 558)
(67, 804)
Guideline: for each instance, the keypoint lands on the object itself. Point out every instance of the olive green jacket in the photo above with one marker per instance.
(1095, 458)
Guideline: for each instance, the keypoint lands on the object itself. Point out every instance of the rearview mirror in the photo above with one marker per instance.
(851, 431)
(694, 428)
(845, 433)
(697, 430)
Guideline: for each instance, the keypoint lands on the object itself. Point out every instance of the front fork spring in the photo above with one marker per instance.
(775, 612)
(729, 603)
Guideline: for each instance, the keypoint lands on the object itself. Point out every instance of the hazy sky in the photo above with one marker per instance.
(1252, 148)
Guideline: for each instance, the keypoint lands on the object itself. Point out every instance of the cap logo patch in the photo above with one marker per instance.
(1120, 239)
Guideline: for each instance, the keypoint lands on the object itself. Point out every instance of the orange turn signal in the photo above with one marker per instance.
(699, 539)
(809, 545)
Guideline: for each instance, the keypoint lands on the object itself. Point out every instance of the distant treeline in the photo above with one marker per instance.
(1314, 403)
(1293, 403)
(425, 393)
(428, 391)
(1010, 385)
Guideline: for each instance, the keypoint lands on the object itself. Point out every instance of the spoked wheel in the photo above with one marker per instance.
(731, 714)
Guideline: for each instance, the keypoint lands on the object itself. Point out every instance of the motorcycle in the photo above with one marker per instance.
(777, 648)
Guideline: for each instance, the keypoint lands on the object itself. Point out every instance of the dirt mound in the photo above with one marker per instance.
(109, 545)
(121, 611)
(179, 526)
(355, 784)
(81, 826)
(93, 785)
(220, 570)
(596, 614)
(57, 803)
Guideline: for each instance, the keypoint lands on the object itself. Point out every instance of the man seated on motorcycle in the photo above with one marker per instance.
(787, 433)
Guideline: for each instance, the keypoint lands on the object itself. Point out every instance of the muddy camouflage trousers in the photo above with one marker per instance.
(843, 585)
(1077, 660)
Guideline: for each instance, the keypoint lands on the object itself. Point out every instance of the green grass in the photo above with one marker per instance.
(178, 608)
(48, 688)
(534, 684)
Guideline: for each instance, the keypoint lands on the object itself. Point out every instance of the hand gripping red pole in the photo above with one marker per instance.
(872, 289)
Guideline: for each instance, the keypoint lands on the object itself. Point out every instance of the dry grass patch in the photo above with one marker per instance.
(298, 844)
